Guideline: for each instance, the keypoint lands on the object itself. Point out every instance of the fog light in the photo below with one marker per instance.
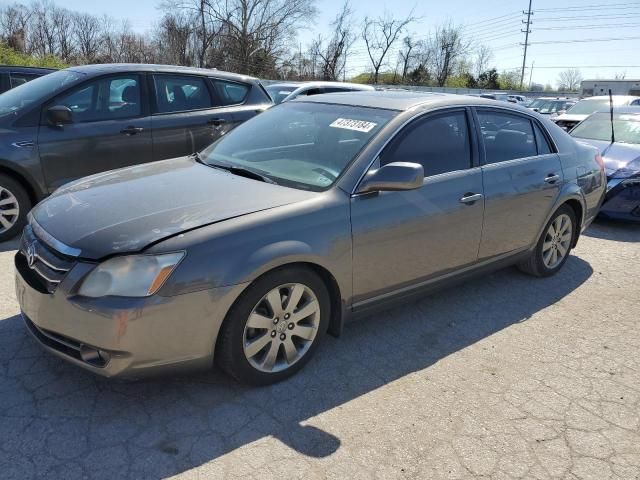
(93, 356)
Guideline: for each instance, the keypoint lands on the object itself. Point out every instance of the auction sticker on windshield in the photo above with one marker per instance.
(357, 125)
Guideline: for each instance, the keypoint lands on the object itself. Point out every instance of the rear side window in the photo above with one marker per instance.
(107, 98)
(229, 93)
(506, 136)
(541, 141)
(440, 143)
(20, 78)
(179, 93)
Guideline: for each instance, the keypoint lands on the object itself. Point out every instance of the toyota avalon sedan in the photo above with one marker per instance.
(314, 211)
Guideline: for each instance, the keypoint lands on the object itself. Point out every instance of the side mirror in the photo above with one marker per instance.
(59, 115)
(392, 177)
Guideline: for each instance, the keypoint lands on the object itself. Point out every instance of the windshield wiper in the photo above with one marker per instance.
(242, 172)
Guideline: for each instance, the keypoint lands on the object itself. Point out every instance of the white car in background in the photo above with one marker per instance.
(587, 106)
(519, 99)
(284, 92)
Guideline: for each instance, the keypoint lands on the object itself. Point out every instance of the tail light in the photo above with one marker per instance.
(600, 161)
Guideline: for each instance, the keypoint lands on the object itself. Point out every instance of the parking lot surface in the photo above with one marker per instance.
(505, 376)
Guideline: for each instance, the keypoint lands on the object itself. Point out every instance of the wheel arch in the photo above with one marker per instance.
(34, 192)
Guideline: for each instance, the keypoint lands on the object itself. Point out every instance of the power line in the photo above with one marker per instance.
(613, 6)
(585, 40)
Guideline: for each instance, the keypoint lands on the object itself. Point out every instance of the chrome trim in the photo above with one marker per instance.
(23, 144)
(47, 238)
(39, 272)
(52, 267)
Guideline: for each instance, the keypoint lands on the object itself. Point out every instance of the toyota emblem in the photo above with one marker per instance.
(31, 254)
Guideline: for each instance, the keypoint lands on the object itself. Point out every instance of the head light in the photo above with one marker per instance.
(130, 276)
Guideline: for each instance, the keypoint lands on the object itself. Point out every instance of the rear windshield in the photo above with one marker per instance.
(23, 96)
(278, 92)
(598, 127)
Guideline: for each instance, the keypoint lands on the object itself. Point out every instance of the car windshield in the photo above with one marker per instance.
(551, 106)
(279, 92)
(298, 144)
(21, 97)
(598, 127)
(587, 107)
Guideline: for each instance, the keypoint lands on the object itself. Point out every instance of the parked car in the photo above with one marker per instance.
(519, 99)
(621, 159)
(314, 211)
(551, 106)
(587, 106)
(89, 119)
(502, 97)
(284, 92)
(13, 75)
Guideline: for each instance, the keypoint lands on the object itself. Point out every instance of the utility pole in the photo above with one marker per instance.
(528, 13)
(531, 73)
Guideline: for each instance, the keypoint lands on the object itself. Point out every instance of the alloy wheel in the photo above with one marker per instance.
(557, 241)
(9, 210)
(281, 327)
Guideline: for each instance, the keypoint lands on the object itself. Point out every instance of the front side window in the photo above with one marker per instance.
(298, 144)
(179, 93)
(108, 98)
(506, 136)
(440, 143)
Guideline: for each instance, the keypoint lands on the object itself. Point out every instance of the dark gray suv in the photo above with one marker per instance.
(85, 120)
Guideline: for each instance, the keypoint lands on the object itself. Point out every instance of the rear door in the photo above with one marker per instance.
(111, 128)
(188, 116)
(522, 176)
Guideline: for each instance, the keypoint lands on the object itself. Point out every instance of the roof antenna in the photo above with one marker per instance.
(613, 133)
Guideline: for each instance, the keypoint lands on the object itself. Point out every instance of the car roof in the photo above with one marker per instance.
(101, 68)
(25, 69)
(629, 110)
(603, 97)
(394, 100)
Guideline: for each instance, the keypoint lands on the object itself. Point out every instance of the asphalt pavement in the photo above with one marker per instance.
(505, 376)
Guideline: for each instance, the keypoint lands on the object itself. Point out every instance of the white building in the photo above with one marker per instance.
(591, 88)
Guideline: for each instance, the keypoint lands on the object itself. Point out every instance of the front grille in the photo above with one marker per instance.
(43, 267)
(53, 340)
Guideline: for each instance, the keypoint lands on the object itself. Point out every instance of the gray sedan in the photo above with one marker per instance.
(306, 215)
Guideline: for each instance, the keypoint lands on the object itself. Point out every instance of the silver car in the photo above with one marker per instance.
(297, 220)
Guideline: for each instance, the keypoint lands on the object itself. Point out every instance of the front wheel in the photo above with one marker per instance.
(274, 327)
(14, 206)
(554, 245)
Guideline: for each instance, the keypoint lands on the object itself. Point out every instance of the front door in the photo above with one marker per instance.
(522, 179)
(111, 128)
(404, 238)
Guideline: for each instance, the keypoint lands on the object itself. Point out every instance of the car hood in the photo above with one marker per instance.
(126, 210)
(616, 155)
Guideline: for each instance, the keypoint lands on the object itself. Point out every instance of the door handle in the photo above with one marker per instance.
(131, 130)
(470, 198)
(216, 122)
(552, 178)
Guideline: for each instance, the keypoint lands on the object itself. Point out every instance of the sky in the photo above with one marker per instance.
(562, 32)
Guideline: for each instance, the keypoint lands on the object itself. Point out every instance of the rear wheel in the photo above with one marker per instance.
(14, 206)
(554, 245)
(275, 326)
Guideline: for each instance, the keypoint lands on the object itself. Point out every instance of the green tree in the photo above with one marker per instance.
(8, 56)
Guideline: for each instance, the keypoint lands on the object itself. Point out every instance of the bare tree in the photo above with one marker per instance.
(88, 32)
(14, 20)
(569, 79)
(620, 75)
(484, 57)
(407, 54)
(448, 48)
(64, 32)
(333, 55)
(379, 34)
(174, 34)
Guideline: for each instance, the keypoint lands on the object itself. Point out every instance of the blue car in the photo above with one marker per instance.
(621, 158)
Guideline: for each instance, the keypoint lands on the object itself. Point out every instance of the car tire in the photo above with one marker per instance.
(14, 207)
(558, 235)
(254, 318)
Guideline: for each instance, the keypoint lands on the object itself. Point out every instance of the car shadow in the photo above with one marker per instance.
(614, 230)
(55, 417)
(9, 245)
